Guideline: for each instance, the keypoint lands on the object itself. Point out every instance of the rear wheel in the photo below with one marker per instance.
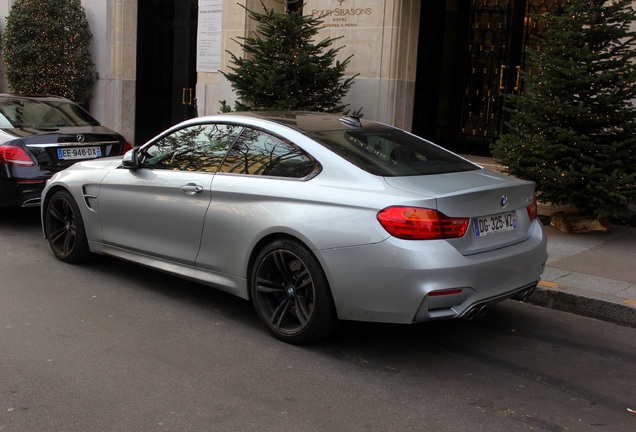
(291, 294)
(64, 228)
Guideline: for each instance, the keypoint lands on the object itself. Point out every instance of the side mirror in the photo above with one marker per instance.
(131, 159)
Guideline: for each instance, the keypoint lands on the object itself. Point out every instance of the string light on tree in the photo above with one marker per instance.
(573, 131)
(46, 49)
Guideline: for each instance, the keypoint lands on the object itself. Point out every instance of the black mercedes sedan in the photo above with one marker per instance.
(41, 135)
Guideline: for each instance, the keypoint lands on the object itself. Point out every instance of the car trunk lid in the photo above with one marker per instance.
(496, 205)
(58, 148)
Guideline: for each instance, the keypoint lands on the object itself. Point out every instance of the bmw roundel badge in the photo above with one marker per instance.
(504, 200)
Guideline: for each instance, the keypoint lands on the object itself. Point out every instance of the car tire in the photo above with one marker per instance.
(291, 294)
(64, 228)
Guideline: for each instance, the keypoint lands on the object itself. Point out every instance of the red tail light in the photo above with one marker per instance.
(414, 223)
(13, 155)
(532, 210)
(127, 146)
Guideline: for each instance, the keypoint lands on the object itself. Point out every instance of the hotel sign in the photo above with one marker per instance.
(341, 15)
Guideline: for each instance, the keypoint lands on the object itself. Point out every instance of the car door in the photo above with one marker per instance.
(159, 208)
(256, 184)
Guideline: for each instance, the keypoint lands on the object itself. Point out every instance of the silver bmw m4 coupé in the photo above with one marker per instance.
(315, 218)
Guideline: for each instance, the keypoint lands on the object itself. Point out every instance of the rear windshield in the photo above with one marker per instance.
(23, 113)
(390, 152)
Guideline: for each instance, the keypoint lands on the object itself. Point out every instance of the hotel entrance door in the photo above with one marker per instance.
(467, 63)
(166, 65)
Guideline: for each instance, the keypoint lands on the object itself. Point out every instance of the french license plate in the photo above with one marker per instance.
(79, 153)
(494, 224)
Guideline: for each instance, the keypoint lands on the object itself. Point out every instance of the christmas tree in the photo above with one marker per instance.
(573, 131)
(284, 69)
(46, 49)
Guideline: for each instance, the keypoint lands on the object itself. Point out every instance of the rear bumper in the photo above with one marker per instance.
(16, 194)
(392, 281)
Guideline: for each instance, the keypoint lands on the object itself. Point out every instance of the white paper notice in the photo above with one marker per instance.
(209, 35)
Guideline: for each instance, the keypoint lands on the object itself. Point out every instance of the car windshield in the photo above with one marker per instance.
(391, 152)
(42, 114)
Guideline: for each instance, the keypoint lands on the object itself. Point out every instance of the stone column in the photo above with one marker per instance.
(5, 7)
(382, 36)
(212, 87)
(114, 27)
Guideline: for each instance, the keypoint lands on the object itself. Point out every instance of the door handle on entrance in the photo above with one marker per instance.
(191, 189)
(518, 81)
(502, 72)
(186, 96)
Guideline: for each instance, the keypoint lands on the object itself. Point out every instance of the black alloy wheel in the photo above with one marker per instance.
(291, 294)
(64, 228)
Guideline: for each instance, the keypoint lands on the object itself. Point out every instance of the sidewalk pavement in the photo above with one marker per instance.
(591, 274)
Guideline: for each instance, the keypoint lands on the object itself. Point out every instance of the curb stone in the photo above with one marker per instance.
(621, 314)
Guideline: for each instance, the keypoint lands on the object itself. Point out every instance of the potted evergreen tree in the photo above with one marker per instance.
(45, 47)
(573, 131)
(285, 69)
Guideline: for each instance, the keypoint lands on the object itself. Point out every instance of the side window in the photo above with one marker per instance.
(193, 148)
(259, 153)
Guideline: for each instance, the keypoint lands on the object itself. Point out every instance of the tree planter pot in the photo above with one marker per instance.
(573, 223)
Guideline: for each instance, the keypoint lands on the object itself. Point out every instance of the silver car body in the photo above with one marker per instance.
(207, 227)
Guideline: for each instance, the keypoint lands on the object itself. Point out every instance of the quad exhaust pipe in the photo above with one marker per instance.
(479, 310)
(475, 312)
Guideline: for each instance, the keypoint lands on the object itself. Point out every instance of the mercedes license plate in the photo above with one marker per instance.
(79, 153)
(494, 224)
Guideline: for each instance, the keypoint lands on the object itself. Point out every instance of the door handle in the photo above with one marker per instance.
(186, 96)
(191, 189)
(518, 80)
(502, 72)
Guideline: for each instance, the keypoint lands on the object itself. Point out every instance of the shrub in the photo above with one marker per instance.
(46, 49)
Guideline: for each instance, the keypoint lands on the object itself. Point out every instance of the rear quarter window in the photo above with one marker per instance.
(391, 152)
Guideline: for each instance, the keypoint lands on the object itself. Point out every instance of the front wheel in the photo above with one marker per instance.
(291, 294)
(64, 228)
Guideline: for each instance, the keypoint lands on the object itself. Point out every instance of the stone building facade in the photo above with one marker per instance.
(438, 67)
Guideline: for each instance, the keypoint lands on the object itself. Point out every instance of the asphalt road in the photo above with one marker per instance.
(109, 346)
